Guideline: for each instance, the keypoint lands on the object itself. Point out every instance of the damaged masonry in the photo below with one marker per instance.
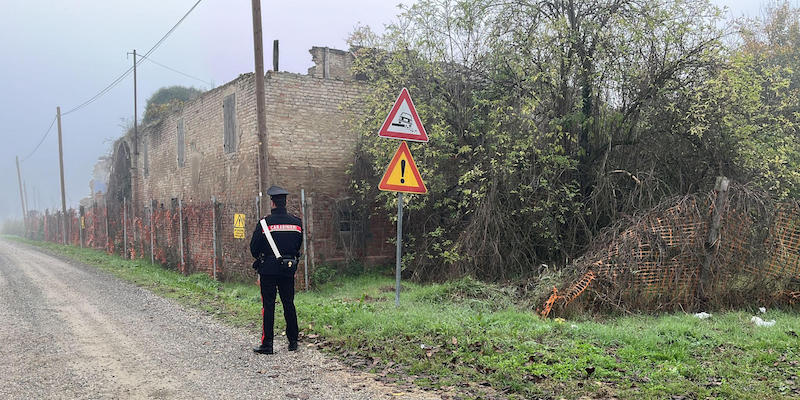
(197, 168)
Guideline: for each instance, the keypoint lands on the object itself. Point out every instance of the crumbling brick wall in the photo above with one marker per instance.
(331, 63)
(310, 147)
(207, 169)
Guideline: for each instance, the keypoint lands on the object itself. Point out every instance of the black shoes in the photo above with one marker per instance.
(264, 349)
(267, 348)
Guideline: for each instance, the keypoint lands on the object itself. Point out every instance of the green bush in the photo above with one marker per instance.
(322, 274)
(325, 273)
(468, 291)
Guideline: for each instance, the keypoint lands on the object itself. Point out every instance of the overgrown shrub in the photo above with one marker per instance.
(542, 124)
(321, 274)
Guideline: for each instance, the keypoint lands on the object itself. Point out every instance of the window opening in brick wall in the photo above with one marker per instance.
(349, 228)
(229, 114)
(347, 220)
(181, 144)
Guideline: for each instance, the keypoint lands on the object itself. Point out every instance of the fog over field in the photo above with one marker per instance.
(63, 53)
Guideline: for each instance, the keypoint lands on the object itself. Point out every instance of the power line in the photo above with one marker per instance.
(115, 82)
(155, 46)
(119, 79)
(100, 93)
(175, 70)
(42, 140)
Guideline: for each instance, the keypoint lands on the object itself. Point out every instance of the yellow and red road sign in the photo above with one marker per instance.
(402, 174)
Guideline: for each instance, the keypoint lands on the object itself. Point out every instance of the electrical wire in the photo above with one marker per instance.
(175, 70)
(99, 94)
(116, 81)
(119, 79)
(42, 140)
(155, 46)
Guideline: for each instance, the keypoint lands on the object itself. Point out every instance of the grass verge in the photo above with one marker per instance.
(469, 340)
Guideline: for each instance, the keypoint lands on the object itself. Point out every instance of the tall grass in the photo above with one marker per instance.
(477, 340)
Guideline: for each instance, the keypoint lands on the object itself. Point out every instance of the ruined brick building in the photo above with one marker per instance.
(209, 149)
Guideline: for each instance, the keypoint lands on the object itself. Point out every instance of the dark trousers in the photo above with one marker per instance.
(284, 286)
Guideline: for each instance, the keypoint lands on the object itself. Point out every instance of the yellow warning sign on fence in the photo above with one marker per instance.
(238, 226)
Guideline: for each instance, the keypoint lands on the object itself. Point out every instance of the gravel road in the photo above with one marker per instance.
(71, 331)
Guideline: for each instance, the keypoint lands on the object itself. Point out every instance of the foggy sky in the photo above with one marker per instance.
(62, 52)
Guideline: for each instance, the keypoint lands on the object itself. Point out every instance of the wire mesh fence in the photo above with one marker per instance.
(209, 237)
(213, 236)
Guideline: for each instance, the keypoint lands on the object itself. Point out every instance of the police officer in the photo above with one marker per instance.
(287, 233)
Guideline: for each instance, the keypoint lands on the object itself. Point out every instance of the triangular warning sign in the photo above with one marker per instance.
(403, 121)
(402, 174)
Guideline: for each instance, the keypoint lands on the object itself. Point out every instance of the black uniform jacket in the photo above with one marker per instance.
(287, 232)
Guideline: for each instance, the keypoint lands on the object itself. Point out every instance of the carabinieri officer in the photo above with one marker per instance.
(287, 233)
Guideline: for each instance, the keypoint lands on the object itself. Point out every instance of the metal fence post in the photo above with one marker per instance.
(81, 223)
(134, 226)
(94, 224)
(310, 225)
(105, 199)
(214, 233)
(305, 239)
(180, 230)
(152, 235)
(125, 227)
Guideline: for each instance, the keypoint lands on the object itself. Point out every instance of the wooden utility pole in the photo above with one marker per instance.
(25, 190)
(258, 50)
(22, 198)
(61, 165)
(27, 204)
(134, 185)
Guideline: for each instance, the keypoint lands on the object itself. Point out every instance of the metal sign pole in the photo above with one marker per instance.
(405, 125)
(399, 247)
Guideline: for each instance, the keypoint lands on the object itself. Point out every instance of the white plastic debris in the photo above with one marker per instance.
(762, 309)
(703, 315)
(760, 322)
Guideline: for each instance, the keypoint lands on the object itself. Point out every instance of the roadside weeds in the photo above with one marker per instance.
(465, 340)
